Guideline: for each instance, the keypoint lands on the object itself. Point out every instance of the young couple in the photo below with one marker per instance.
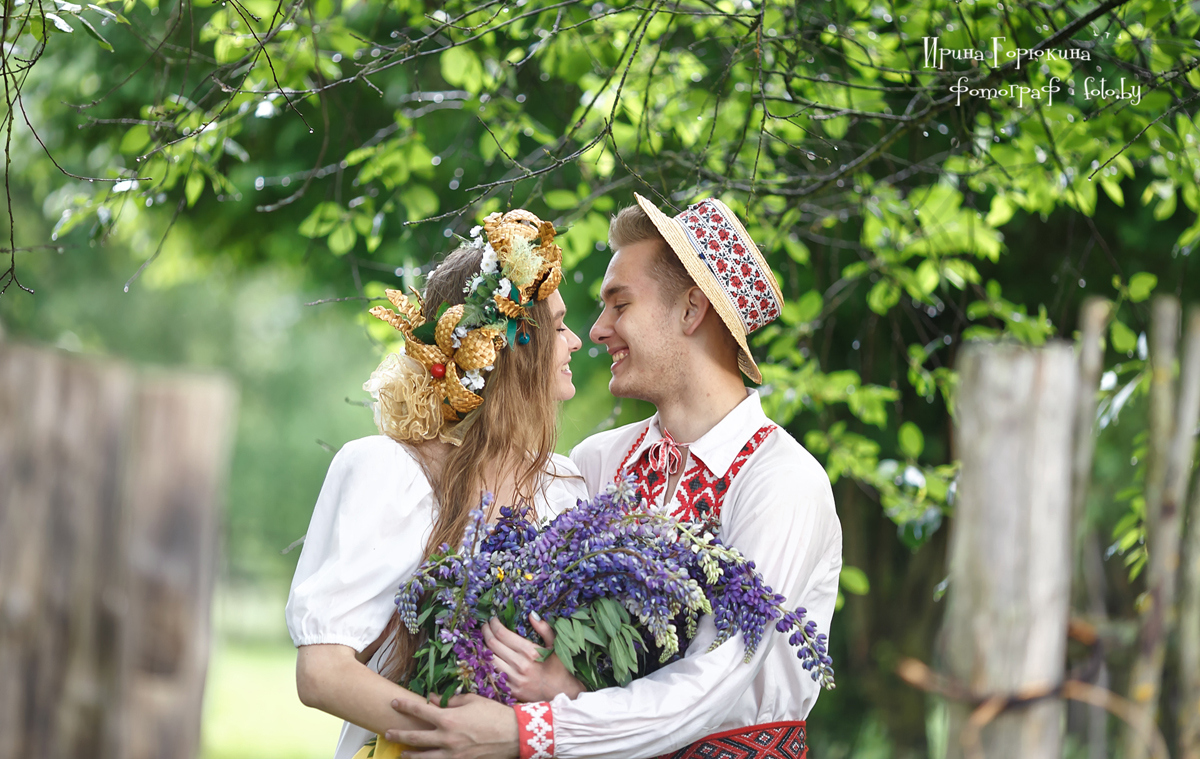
(680, 295)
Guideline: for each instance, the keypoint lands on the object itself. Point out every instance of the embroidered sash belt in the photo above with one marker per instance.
(775, 740)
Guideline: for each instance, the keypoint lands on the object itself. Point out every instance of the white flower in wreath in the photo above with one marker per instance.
(474, 284)
(490, 263)
(457, 335)
(475, 230)
(504, 288)
(472, 380)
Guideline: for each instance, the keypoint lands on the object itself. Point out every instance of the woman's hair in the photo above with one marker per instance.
(516, 428)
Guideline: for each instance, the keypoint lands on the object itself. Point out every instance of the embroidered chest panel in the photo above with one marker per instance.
(700, 493)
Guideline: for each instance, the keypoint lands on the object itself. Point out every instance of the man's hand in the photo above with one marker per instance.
(532, 674)
(471, 727)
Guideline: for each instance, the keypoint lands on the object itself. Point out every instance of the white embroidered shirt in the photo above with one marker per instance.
(779, 512)
(367, 536)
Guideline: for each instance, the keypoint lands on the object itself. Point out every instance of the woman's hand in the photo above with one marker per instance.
(530, 678)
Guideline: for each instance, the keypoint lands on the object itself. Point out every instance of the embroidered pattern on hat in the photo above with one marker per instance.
(700, 493)
(732, 262)
(535, 730)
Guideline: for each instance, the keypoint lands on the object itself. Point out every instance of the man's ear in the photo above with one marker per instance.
(696, 307)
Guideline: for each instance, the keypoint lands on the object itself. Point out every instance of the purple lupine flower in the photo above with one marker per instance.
(662, 572)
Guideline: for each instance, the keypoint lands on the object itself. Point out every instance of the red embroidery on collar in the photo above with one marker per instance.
(700, 493)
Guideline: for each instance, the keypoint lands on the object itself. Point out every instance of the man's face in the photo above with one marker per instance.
(637, 327)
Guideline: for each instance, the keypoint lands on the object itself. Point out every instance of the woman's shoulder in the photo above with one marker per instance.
(562, 466)
(379, 459)
(566, 485)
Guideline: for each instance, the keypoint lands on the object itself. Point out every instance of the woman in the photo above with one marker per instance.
(468, 410)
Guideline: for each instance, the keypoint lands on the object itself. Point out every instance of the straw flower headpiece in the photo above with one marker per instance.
(433, 389)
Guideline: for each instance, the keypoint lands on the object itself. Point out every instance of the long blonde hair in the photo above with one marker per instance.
(516, 428)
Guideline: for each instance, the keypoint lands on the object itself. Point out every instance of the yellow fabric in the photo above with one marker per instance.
(382, 749)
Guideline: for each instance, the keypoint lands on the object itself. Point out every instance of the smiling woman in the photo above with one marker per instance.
(468, 407)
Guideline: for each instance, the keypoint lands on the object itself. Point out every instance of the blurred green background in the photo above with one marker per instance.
(900, 224)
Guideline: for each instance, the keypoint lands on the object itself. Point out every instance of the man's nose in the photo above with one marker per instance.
(600, 331)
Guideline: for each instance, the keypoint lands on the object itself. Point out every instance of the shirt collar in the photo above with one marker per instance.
(717, 447)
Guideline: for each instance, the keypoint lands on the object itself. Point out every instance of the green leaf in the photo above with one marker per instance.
(804, 310)
(461, 67)
(565, 658)
(420, 201)
(796, 249)
(342, 239)
(591, 636)
(958, 272)
(87, 27)
(358, 155)
(194, 187)
(59, 24)
(137, 138)
(322, 220)
(560, 200)
(927, 276)
(1123, 338)
(1141, 285)
(109, 14)
(854, 581)
(883, 296)
(564, 635)
(912, 442)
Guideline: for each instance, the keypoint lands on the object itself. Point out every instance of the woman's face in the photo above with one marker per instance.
(566, 343)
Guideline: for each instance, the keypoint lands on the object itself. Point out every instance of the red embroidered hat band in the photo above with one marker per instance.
(726, 265)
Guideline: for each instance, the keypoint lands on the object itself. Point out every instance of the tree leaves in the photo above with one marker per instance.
(854, 581)
(912, 442)
(1141, 285)
(1124, 340)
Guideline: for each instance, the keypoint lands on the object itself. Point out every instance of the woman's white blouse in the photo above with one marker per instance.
(367, 536)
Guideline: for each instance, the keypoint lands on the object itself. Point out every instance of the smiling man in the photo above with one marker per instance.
(681, 294)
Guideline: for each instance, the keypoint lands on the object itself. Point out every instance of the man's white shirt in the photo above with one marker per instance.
(779, 513)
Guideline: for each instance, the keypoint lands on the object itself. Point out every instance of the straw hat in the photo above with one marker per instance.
(726, 265)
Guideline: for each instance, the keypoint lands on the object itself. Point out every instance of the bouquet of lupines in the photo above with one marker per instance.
(616, 581)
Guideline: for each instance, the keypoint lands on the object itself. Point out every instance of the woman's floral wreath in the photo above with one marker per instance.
(521, 264)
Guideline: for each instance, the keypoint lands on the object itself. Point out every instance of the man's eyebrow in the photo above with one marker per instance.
(612, 290)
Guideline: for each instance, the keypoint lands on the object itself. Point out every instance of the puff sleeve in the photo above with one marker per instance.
(367, 535)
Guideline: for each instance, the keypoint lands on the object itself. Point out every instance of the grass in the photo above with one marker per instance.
(251, 710)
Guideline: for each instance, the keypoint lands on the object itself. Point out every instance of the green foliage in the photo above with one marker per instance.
(357, 141)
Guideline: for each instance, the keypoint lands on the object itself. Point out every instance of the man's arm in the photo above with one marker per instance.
(471, 727)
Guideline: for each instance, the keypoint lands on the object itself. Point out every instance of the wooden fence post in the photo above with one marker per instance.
(109, 491)
(1087, 561)
(1010, 544)
(1168, 467)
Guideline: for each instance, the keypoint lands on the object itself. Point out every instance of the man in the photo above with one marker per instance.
(680, 296)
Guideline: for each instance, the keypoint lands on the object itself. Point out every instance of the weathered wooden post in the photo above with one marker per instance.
(110, 483)
(1087, 553)
(1168, 468)
(1005, 631)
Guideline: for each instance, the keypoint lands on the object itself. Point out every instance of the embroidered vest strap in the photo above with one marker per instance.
(776, 740)
(700, 493)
